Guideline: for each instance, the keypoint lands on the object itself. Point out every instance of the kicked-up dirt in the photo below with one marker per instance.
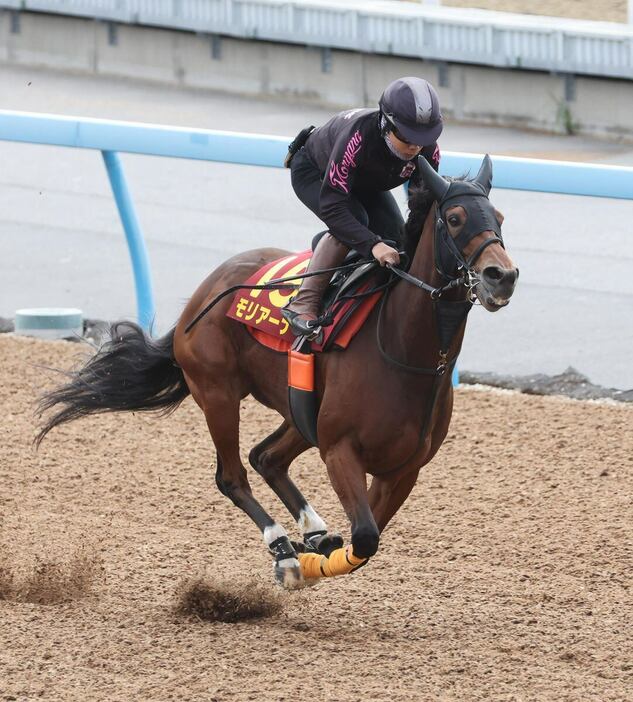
(126, 575)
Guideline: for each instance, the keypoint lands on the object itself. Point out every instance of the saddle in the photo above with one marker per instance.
(348, 301)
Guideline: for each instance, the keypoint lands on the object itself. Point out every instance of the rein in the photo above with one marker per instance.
(435, 293)
(275, 284)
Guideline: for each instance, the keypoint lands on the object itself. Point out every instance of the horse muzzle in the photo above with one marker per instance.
(495, 287)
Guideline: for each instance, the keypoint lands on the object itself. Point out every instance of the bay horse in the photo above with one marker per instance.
(385, 403)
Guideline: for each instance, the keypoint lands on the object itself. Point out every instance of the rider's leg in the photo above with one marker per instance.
(304, 307)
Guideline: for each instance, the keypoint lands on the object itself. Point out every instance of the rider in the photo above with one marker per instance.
(343, 171)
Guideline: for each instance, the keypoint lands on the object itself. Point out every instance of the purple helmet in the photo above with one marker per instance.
(411, 107)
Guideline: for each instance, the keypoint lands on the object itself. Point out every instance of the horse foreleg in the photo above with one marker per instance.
(221, 410)
(271, 459)
(348, 479)
(387, 494)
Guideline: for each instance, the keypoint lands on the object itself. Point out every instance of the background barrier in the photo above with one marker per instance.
(409, 29)
(111, 137)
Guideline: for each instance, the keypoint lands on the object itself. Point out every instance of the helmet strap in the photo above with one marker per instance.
(383, 124)
(384, 130)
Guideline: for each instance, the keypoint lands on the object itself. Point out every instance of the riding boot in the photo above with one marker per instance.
(303, 309)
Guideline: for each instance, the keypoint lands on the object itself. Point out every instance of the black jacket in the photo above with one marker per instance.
(352, 156)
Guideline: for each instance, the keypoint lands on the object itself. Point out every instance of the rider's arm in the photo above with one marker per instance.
(346, 158)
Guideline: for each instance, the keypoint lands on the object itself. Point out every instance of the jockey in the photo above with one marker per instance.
(343, 171)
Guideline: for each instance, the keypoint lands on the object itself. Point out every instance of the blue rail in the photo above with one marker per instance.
(134, 237)
(110, 137)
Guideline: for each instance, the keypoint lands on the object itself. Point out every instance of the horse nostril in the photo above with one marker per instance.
(499, 276)
(492, 274)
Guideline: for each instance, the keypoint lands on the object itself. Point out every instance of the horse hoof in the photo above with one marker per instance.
(321, 543)
(288, 574)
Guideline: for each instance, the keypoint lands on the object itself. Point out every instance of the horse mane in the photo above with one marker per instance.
(420, 202)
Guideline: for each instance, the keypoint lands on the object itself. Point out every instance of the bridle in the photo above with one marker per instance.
(464, 276)
(464, 273)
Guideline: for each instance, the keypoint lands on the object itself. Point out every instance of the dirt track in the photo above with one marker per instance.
(602, 10)
(505, 577)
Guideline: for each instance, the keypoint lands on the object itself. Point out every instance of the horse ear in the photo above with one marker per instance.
(484, 177)
(433, 180)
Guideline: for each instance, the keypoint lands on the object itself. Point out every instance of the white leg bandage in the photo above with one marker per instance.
(310, 521)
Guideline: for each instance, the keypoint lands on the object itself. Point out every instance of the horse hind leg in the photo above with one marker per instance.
(222, 414)
(271, 459)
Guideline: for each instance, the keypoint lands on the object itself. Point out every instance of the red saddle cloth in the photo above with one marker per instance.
(260, 310)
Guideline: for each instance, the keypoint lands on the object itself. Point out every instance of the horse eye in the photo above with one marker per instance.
(454, 220)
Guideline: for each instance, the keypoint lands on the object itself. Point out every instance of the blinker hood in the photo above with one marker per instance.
(480, 214)
(480, 217)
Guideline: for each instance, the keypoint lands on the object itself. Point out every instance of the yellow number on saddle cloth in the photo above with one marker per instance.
(276, 297)
(270, 274)
(260, 309)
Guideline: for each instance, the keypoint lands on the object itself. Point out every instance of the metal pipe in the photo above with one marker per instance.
(562, 177)
(134, 237)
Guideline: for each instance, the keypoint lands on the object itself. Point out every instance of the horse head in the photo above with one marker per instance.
(468, 235)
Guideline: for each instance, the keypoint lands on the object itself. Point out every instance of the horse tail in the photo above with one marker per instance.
(130, 372)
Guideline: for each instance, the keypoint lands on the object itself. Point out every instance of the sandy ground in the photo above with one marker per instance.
(602, 10)
(506, 576)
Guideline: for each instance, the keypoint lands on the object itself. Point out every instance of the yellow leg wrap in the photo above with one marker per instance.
(340, 562)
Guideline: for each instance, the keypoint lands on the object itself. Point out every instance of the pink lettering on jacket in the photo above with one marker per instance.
(339, 172)
(436, 155)
(407, 170)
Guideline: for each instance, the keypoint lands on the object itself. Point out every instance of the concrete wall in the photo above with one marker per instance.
(334, 78)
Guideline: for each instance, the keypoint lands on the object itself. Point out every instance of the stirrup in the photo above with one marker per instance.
(308, 328)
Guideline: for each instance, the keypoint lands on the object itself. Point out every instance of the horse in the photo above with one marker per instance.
(385, 403)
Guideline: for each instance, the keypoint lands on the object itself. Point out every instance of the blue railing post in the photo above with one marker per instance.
(134, 237)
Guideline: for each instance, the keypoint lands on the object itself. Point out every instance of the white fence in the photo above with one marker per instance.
(387, 27)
